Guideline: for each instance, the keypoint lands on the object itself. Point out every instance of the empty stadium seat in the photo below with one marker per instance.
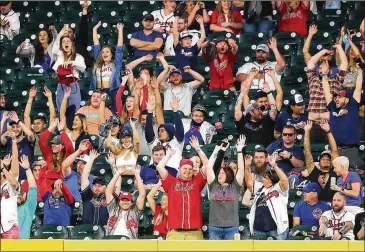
(50, 232)
(87, 231)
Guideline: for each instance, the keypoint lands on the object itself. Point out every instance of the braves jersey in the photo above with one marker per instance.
(335, 223)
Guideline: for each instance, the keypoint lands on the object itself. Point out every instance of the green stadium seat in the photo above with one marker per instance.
(143, 160)
(303, 230)
(116, 237)
(109, 6)
(145, 226)
(128, 183)
(288, 38)
(253, 38)
(87, 231)
(7, 75)
(151, 237)
(217, 94)
(50, 232)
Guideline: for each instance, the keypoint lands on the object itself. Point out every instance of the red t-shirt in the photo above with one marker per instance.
(221, 71)
(295, 21)
(185, 201)
(234, 17)
(162, 227)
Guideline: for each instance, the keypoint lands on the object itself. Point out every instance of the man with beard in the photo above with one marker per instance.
(221, 62)
(58, 203)
(337, 223)
(95, 210)
(146, 41)
(262, 63)
(170, 136)
(322, 173)
(254, 172)
(294, 115)
(25, 144)
(27, 201)
(40, 121)
(344, 119)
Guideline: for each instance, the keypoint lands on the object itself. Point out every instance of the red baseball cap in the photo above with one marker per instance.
(125, 195)
(186, 162)
(342, 93)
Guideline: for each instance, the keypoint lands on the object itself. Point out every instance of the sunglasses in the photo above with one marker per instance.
(288, 134)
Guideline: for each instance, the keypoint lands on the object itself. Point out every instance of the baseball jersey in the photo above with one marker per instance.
(162, 21)
(335, 223)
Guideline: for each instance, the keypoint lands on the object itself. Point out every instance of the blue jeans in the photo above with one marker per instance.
(222, 233)
(264, 25)
(274, 233)
(75, 97)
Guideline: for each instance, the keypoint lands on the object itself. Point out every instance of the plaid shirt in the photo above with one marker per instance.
(317, 102)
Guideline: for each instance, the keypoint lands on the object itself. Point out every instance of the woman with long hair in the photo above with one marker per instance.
(40, 53)
(108, 63)
(224, 192)
(225, 19)
(160, 211)
(126, 154)
(78, 130)
(269, 214)
(68, 66)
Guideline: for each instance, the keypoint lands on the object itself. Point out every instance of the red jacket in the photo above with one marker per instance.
(45, 187)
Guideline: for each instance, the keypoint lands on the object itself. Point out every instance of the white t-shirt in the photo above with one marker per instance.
(121, 228)
(14, 24)
(258, 83)
(185, 94)
(336, 222)
(169, 44)
(174, 161)
(9, 207)
(162, 21)
(106, 73)
(143, 146)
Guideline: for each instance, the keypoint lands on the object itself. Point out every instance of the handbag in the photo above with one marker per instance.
(65, 75)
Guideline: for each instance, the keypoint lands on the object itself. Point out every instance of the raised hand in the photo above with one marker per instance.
(110, 159)
(24, 162)
(104, 96)
(120, 27)
(7, 160)
(132, 123)
(232, 44)
(61, 125)
(266, 87)
(194, 142)
(84, 146)
(270, 71)
(175, 103)
(33, 92)
(272, 159)
(187, 69)
(148, 57)
(151, 105)
(241, 142)
(199, 19)
(253, 72)
(272, 44)
(97, 25)
(325, 125)
(58, 184)
(13, 116)
(154, 83)
(121, 170)
(67, 92)
(53, 125)
(47, 93)
(312, 29)
(248, 161)
(159, 56)
(93, 154)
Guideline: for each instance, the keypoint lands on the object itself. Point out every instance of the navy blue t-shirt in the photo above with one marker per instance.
(56, 211)
(149, 174)
(25, 147)
(286, 165)
(186, 56)
(140, 35)
(310, 215)
(345, 123)
(95, 209)
(285, 118)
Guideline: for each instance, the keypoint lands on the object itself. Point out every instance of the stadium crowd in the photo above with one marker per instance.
(183, 136)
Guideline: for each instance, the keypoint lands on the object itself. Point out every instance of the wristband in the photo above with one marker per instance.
(342, 190)
(239, 151)
(327, 132)
(290, 157)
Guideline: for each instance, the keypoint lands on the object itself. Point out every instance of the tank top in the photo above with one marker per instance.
(129, 163)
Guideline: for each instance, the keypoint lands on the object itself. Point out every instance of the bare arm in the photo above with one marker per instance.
(354, 192)
(141, 190)
(87, 169)
(110, 188)
(28, 107)
(150, 196)
(175, 33)
(199, 79)
(132, 65)
(210, 170)
(158, 107)
(95, 33)
(194, 142)
(313, 61)
(136, 140)
(296, 221)
(161, 165)
(284, 182)
(52, 109)
(25, 164)
(202, 32)
(11, 179)
(280, 61)
(358, 87)
(309, 164)
(120, 34)
(322, 226)
(238, 108)
(279, 93)
(139, 43)
(344, 63)
(312, 30)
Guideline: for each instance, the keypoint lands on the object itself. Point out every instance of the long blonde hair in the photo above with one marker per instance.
(82, 118)
(351, 60)
(219, 8)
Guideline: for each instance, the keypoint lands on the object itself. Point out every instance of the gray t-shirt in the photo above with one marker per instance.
(223, 210)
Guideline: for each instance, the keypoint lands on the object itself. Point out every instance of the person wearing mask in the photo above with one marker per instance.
(293, 16)
(9, 20)
(107, 64)
(39, 122)
(309, 211)
(184, 197)
(269, 214)
(170, 136)
(149, 172)
(337, 223)
(290, 156)
(225, 19)
(294, 115)
(9, 171)
(25, 144)
(58, 203)
(40, 54)
(94, 204)
(27, 201)
(322, 174)
(160, 211)
(146, 41)
(224, 192)
(68, 66)
(349, 184)
(164, 18)
(262, 63)
(344, 118)
(226, 53)
(123, 216)
(95, 111)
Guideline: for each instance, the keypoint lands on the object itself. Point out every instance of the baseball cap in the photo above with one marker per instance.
(12, 123)
(185, 34)
(342, 93)
(263, 47)
(251, 107)
(56, 140)
(125, 195)
(312, 187)
(175, 71)
(148, 17)
(326, 152)
(221, 39)
(296, 99)
(124, 133)
(360, 167)
(200, 108)
(260, 94)
(186, 162)
(99, 181)
(84, 158)
(4, 3)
